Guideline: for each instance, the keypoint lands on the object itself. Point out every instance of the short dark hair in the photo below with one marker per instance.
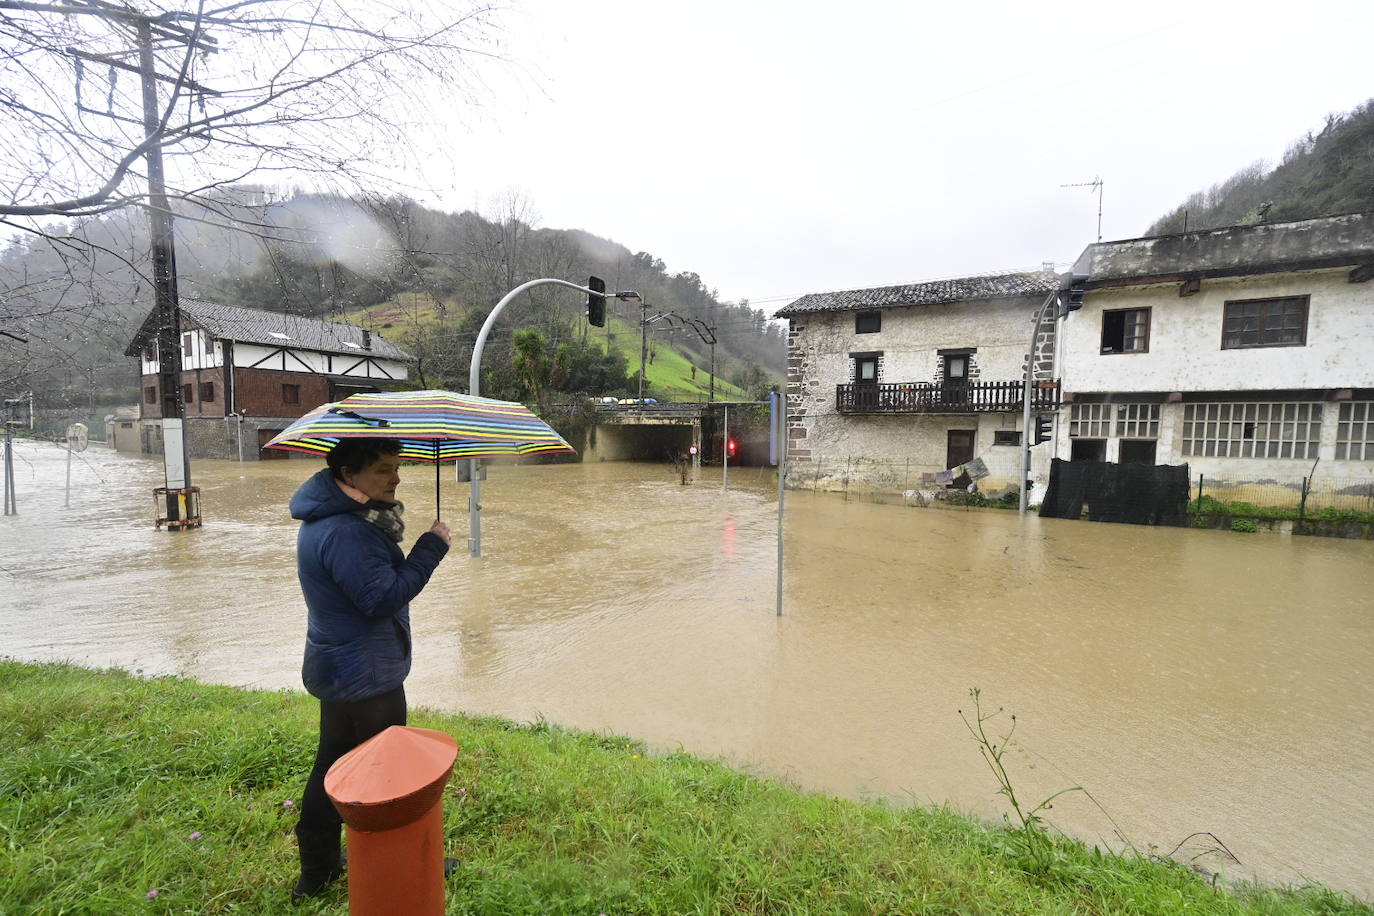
(353, 455)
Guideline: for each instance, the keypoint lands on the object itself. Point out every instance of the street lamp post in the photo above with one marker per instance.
(475, 384)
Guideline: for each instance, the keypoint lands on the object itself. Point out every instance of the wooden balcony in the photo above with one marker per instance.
(932, 397)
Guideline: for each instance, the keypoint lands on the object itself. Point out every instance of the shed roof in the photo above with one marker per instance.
(931, 292)
(276, 329)
(1309, 244)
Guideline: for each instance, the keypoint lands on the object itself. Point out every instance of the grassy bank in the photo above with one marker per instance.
(121, 795)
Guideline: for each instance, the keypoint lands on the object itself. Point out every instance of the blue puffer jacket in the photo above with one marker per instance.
(358, 587)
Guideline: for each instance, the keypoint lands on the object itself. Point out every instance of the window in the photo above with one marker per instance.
(956, 368)
(1126, 331)
(866, 370)
(1137, 421)
(1093, 421)
(207, 391)
(1265, 323)
(290, 394)
(186, 345)
(188, 393)
(1355, 431)
(1006, 437)
(868, 322)
(150, 394)
(1284, 430)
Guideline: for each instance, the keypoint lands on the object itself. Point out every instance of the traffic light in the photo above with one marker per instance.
(730, 447)
(1043, 423)
(692, 450)
(596, 303)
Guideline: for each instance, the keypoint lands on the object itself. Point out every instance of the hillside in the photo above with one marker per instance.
(422, 276)
(1322, 174)
(672, 372)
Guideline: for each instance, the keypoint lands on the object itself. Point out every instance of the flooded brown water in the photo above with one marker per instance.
(1190, 680)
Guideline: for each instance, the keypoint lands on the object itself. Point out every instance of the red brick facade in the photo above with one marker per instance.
(259, 392)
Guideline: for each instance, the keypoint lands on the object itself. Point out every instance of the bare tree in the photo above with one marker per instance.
(252, 90)
(97, 96)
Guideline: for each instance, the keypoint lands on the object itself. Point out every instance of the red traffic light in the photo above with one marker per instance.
(692, 450)
(730, 446)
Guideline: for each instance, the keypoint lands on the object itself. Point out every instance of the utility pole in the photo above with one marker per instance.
(643, 344)
(182, 499)
(176, 466)
(708, 336)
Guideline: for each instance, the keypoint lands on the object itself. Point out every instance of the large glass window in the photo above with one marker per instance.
(1283, 430)
(1137, 421)
(1355, 431)
(1265, 323)
(1090, 421)
(1129, 421)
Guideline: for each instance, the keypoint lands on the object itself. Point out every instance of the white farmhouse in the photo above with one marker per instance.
(1244, 352)
(886, 384)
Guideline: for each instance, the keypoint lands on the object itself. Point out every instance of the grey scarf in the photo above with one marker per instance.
(386, 517)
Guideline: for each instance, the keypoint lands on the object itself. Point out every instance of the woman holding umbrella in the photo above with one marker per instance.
(358, 586)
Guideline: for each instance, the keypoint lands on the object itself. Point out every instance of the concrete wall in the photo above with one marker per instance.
(226, 438)
(1185, 351)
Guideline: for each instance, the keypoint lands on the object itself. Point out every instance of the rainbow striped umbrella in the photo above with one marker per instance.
(433, 426)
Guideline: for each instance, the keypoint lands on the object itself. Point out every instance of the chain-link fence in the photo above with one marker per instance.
(1311, 497)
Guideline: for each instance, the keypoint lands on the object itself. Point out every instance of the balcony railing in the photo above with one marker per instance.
(947, 397)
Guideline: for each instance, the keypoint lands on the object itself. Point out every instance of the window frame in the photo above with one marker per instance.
(1006, 437)
(1306, 301)
(1355, 431)
(858, 373)
(876, 317)
(188, 391)
(1267, 430)
(290, 394)
(207, 392)
(1149, 323)
(149, 394)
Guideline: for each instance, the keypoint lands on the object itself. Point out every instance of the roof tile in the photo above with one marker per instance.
(931, 292)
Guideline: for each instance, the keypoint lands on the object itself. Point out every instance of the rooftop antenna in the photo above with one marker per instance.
(1096, 184)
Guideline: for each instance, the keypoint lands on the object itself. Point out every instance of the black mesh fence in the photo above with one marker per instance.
(1137, 494)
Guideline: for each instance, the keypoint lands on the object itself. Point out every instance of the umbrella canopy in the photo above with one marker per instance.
(430, 426)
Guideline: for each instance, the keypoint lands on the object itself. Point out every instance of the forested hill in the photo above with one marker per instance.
(1322, 174)
(422, 277)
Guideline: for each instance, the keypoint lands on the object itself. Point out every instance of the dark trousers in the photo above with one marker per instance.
(344, 726)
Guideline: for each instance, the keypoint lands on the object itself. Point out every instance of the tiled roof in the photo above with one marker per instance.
(932, 292)
(229, 322)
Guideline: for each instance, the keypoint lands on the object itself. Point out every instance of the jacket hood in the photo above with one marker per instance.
(320, 497)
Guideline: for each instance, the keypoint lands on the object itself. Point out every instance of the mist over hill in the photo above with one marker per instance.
(1323, 173)
(422, 277)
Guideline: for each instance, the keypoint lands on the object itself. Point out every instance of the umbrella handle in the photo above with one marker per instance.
(437, 506)
(375, 421)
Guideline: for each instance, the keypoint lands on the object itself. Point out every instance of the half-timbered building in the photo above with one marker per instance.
(246, 374)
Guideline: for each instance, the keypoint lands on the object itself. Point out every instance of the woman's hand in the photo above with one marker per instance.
(441, 529)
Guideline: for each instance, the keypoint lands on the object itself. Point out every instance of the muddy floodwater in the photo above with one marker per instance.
(1190, 680)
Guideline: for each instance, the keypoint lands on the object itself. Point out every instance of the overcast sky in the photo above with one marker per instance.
(779, 148)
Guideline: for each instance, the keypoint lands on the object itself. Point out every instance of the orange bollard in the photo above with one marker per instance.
(389, 792)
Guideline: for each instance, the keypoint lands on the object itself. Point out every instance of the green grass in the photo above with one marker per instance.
(112, 786)
(1207, 505)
